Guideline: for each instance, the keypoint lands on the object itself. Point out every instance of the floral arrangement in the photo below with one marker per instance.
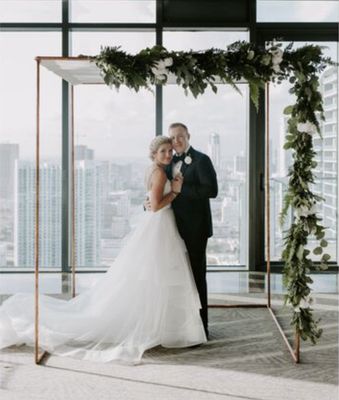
(195, 71)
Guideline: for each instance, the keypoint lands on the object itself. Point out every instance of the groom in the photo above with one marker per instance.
(192, 206)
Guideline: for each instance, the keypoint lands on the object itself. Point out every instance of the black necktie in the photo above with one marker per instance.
(177, 158)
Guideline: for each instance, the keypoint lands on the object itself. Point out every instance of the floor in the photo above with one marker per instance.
(246, 357)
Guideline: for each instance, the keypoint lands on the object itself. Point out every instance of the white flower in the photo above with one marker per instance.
(168, 61)
(160, 69)
(307, 127)
(276, 68)
(304, 303)
(250, 54)
(277, 56)
(304, 211)
(187, 160)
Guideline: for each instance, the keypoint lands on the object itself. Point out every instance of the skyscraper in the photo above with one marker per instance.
(87, 208)
(214, 149)
(50, 215)
(327, 153)
(82, 152)
(9, 154)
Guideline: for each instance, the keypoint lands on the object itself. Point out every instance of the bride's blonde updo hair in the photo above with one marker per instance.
(156, 143)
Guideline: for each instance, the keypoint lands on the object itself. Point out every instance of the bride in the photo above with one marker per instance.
(147, 297)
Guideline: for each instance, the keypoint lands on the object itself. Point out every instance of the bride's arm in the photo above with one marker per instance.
(157, 198)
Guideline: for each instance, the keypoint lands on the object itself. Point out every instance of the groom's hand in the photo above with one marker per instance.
(147, 204)
(176, 183)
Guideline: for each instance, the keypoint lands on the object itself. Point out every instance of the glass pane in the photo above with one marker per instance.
(215, 121)
(202, 40)
(112, 134)
(112, 11)
(17, 150)
(297, 11)
(30, 11)
(327, 158)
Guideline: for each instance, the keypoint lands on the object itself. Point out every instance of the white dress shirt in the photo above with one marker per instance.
(177, 165)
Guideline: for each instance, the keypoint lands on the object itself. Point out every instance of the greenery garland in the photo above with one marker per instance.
(195, 71)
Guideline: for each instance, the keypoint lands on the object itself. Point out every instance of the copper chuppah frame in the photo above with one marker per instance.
(295, 353)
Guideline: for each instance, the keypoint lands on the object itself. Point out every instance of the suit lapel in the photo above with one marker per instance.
(183, 168)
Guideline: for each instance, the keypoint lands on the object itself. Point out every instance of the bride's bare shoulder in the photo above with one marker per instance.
(158, 175)
(155, 175)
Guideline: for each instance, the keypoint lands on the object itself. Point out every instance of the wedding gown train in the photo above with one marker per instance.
(146, 298)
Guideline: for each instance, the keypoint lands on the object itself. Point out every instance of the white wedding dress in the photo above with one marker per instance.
(147, 298)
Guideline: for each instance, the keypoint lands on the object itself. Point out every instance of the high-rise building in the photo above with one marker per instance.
(50, 215)
(82, 152)
(240, 162)
(327, 157)
(214, 149)
(9, 154)
(88, 213)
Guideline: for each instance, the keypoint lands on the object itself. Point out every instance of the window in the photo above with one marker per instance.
(17, 150)
(327, 158)
(112, 134)
(30, 11)
(112, 10)
(297, 11)
(215, 121)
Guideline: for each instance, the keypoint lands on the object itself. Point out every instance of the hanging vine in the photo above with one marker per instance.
(195, 71)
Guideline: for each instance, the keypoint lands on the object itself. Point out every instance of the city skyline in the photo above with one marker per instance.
(109, 199)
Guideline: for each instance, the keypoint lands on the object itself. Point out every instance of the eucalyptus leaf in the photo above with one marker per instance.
(317, 250)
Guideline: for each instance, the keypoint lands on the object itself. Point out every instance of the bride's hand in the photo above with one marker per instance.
(176, 183)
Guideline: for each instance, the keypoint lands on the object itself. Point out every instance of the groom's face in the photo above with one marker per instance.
(180, 138)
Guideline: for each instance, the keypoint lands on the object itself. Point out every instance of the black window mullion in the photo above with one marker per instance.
(159, 89)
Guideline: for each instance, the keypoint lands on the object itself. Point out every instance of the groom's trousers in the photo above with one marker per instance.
(197, 254)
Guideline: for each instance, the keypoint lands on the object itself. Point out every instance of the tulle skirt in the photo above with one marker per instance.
(147, 298)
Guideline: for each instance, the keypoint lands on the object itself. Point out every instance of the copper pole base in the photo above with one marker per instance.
(41, 357)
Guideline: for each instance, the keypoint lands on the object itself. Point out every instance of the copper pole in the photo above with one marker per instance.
(38, 357)
(73, 196)
(37, 205)
(267, 197)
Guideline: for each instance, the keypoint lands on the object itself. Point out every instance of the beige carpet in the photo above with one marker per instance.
(246, 358)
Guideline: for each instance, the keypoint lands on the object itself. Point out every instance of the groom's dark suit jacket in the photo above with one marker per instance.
(192, 207)
(193, 216)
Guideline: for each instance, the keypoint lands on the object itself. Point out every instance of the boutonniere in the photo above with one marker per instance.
(188, 159)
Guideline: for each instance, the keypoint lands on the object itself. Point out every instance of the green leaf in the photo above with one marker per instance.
(317, 250)
(254, 91)
(288, 110)
(323, 266)
(325, 257)
(323, 243)
(288, 145)
(300, 252)
(320, 235)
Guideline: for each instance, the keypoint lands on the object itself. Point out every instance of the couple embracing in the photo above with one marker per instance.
(155, 292)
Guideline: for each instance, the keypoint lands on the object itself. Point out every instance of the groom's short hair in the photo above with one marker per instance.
(178, 125)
